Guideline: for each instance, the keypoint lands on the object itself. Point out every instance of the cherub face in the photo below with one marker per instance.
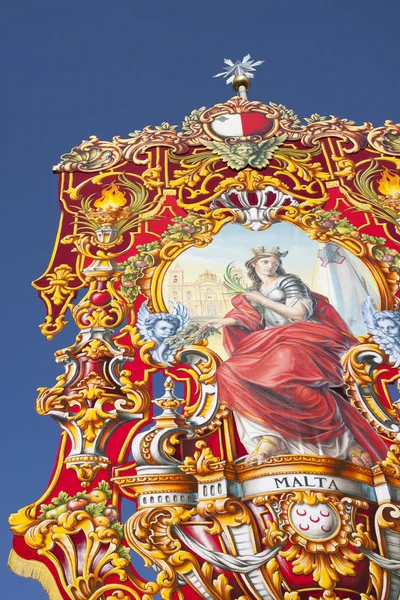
(163, 329)
(266, 266)
(389, 327)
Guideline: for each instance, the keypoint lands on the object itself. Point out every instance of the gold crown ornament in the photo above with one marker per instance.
(261, 251)
(275, 251)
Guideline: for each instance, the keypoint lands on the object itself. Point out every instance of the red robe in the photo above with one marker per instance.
(285, 377)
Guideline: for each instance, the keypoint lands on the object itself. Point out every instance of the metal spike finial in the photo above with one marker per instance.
(240, 73)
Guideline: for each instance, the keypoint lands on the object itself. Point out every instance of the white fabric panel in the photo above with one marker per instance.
(250, 434)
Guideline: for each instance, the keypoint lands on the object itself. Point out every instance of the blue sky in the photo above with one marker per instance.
(74, 69)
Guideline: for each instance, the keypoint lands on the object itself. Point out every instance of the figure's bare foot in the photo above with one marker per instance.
(255, 458)
(264, 450)
(359, 456)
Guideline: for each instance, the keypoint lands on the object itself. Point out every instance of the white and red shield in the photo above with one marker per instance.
(240, 124)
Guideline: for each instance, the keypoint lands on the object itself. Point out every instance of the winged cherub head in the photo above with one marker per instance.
(162, 325)
(388, 322)
(384, 325)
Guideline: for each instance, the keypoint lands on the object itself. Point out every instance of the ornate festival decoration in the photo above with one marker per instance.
(235, 375)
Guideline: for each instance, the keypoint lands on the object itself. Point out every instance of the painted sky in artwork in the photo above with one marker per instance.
(234, 244)
(71, 70)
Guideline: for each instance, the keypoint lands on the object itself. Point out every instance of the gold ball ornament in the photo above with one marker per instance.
(241, 81)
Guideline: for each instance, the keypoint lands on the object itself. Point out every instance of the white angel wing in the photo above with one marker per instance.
(386, 343)
(142, 317)
(390, 347)
(368, 311)
(181, 312)
(394, 355)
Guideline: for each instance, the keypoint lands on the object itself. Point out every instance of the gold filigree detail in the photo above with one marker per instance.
(224, 513)
(22, 520)
(96, 349)
(346, 167)
(274, 536)
(135, 147)
(100, 555)
(358, 375)
(361, 538)
(86, 467)
(112, 315)
(299, 162)
(220, 583)
(59, 279)
(91, 155)
(57, 295)
(386, 139)
(388, 517)
(90, 411)
(291, 596)
(391, 464)
(333, 127)
(149, 533)
(327, 595)
(250, 180)
(90, 396)
(203, 462)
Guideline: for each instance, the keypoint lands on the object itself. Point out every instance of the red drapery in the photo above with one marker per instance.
(287, 378)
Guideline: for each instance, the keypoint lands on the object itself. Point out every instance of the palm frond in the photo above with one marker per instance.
(190, 335)
(138, 194)
(233, 282)
(190, 160)
(363, 181)
(299, 152)
(367, 199)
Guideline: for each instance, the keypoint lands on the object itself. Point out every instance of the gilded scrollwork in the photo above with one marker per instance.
(139, 142)
(58, 289)
(192, 128)
(249, 180)
(149, 533)
(391, 464)
(90, 407)
(203, 462)
(290, 168)
(386, 139)
(319, 128)
(361, 376)
(91, 155)
(103, 554)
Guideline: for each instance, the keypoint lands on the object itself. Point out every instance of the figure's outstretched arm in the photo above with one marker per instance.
(219, 323)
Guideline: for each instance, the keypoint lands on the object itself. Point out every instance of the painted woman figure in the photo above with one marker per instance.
(283, 380)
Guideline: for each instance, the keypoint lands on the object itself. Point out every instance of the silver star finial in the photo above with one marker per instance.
(241, 71)
(240, 67)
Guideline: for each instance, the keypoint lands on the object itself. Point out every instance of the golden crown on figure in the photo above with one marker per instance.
(261, 251)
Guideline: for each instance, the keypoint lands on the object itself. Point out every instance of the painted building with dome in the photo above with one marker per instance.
(204, 297)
